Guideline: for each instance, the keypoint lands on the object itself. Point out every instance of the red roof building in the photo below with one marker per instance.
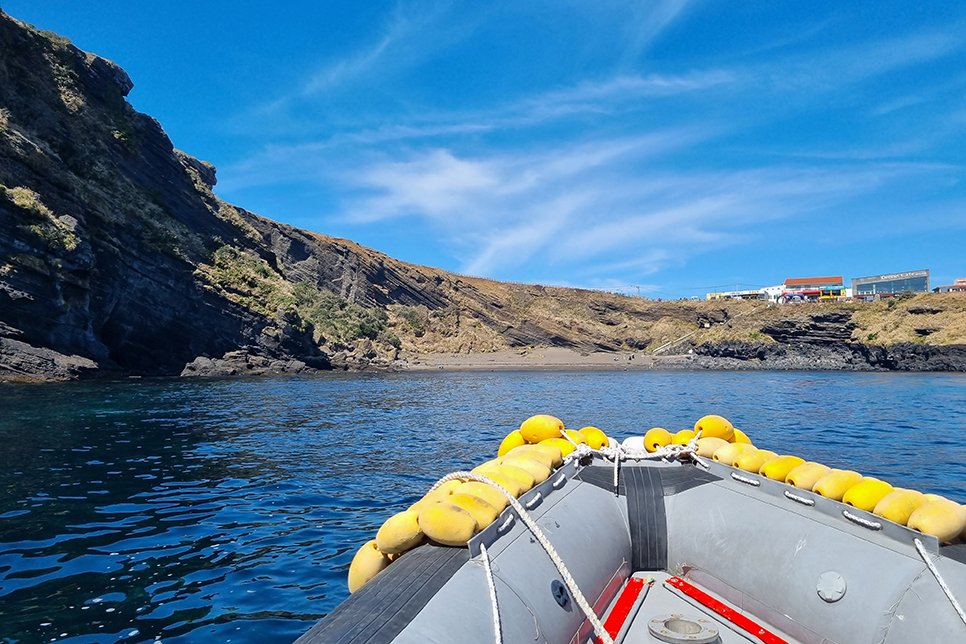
(958, 287)
(814, 283)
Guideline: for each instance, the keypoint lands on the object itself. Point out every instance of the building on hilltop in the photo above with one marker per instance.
(890, 284)
(959, 286)
(812, 289)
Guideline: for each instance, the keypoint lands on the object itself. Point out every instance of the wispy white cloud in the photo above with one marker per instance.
(651, 19)
(596, 204)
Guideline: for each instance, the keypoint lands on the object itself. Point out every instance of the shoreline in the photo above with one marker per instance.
(541, 359)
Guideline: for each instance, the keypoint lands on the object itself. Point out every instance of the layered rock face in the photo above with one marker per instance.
(117, 258)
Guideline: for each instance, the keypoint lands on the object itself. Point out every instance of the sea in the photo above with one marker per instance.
(229, 510)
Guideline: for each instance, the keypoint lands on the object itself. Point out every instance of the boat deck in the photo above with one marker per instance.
(656, 606)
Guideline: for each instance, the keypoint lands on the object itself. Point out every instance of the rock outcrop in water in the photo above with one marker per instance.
(117, 258)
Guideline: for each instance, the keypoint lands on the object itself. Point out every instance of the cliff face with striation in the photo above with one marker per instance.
(117, 258)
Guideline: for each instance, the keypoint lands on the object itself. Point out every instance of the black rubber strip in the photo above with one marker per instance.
(602, 476)
(380, 610)
(674, 479)
(646, 518)
(679, 479)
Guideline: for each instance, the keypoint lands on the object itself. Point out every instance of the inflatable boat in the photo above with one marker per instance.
(676, 548)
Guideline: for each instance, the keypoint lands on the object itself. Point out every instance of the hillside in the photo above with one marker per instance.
(117, 258)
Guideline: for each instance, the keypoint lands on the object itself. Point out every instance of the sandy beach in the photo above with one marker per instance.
(541, 359)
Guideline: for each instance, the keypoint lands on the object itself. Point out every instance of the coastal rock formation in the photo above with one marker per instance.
(117, 258)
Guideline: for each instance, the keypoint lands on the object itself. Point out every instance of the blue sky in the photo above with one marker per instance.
(676, 146)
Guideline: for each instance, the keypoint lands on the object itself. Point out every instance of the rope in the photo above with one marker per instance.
(617, 454)
(942, 582)
(568, 580)
(497, 630)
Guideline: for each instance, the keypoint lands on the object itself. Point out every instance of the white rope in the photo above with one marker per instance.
(497, 629)
(942, 582)
(568, 579)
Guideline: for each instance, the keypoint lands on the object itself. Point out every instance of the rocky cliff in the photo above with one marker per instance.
(117, 258)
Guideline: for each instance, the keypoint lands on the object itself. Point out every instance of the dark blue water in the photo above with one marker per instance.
(228, 511)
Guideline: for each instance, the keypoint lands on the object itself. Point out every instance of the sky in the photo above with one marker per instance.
(664, 148)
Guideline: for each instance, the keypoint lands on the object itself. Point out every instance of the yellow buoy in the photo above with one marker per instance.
(437, 495)
(532, 466)
(504, 481)
(366, 564)
(806, 475)
(530, 451)
(577, 437)
(541, 427)
(512, 440)
(399, 533)
(448, 524)
(779, 467)
(554, 452)
(682, 437)
(483, 512)
(899, 505)
(935, 497)
(715, 426)
(866, 494)
(595, 437)
(944, 519)
(521, 476)
(484, 491)
(740, 437)
(656, 438)
(565, 446)
(708, 446)
(549, 458)
(727, 454)
(490, 463)
(752, 460)
(836, 483)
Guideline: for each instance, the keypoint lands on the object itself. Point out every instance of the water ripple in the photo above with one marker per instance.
(217, 510)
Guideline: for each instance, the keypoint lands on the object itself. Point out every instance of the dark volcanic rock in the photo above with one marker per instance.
(833, 326)
(845, 356)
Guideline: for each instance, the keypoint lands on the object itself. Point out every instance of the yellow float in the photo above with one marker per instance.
(483, 512)
(867, 494)
(714, 426)
(708, 446)
(595, 437)
(484, 491)
(541, 427)
(726, 455)
(836, 483)
(447, 524)
(576, 436)
(682, 437)
(752, 460)
(366, 564)
(521, 476)
(504, 481)
(779, 467)
(944, 519)
(806, 475)
(899, 505)
(532, 466)
(399, 533)
(740, 437)
(565, 446)
(522, 452)
(656, 438)
(513, 440)
(549, 455)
